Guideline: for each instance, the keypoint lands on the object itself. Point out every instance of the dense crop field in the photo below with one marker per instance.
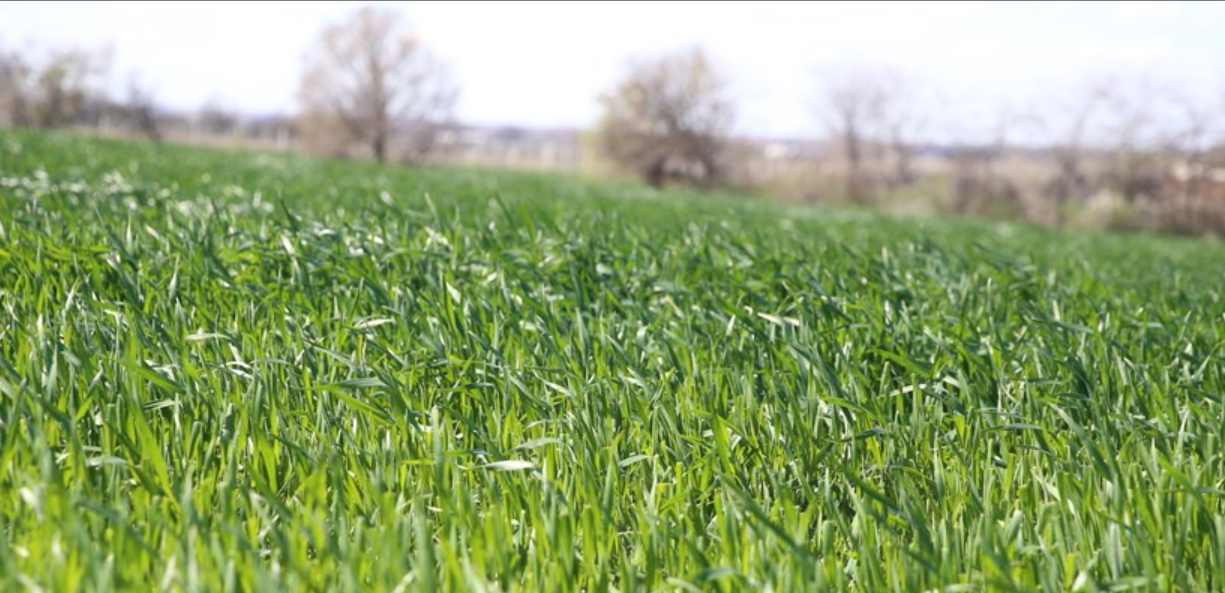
(225, 371)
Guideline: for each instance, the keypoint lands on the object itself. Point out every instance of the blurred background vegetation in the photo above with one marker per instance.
(1124, 151)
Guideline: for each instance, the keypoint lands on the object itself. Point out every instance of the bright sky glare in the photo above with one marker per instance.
(544, 64)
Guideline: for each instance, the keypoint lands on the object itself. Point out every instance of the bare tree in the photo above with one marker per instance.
(668, 120)
(1152, 127)
(1069, 150)
(143, 108)
(64, 85)
(15, 73)
(979, 187)
(904, 121)
(871, 114)
(854, 103)
(1192, 196)
(375, 84)
(51, 92)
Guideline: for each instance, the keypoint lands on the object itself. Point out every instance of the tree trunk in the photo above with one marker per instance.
(655, 174)
(379, 145)
(855, 186)
(903, 171)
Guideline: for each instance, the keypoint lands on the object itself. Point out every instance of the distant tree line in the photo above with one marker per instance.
(69, 87)
(74, 88)
(1120, 152)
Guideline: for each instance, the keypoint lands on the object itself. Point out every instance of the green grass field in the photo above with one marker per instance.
(249, 372)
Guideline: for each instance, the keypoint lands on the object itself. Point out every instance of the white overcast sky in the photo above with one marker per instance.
(544, 64)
